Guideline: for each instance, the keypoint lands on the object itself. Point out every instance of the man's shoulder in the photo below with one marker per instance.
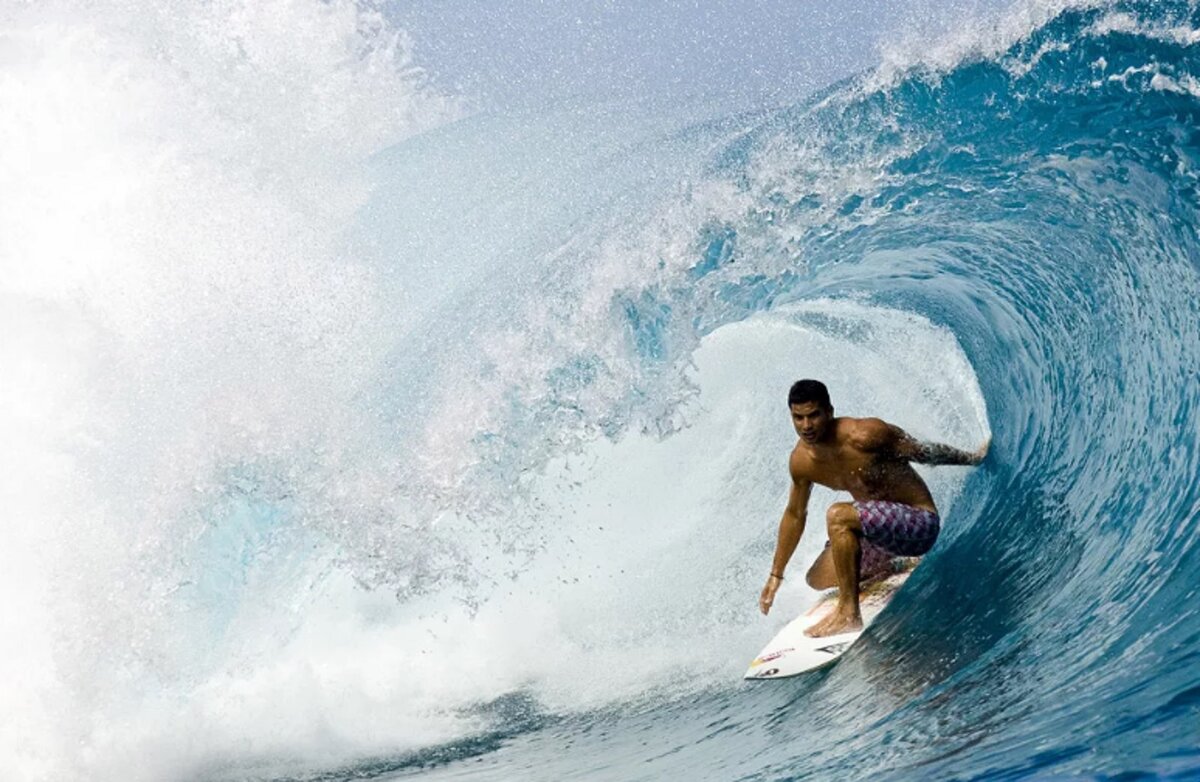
(800, 462)
(867, 434)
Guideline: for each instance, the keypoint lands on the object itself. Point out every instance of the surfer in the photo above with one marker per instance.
(892, 513)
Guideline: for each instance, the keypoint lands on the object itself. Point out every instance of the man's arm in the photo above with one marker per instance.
(911, 449)
(791, 527)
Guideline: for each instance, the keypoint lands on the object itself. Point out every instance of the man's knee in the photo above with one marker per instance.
(841, 516)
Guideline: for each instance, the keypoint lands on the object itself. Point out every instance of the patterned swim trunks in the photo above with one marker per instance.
(898, 529)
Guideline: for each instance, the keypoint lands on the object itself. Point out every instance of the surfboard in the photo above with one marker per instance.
(791, 652)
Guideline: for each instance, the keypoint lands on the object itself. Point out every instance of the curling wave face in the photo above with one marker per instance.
(1039, 200)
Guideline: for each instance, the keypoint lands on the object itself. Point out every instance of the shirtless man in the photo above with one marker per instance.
(892, 514)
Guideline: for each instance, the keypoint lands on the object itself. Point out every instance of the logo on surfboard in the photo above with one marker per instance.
(766, 658)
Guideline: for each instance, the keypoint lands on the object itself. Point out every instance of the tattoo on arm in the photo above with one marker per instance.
(937, 453)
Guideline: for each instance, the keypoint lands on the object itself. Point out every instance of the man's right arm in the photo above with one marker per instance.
(791, 527)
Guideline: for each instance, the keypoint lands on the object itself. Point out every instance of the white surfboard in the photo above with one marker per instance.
(791, 652)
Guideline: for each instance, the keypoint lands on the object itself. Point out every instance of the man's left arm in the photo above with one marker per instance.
(879, 436)
(909, 448)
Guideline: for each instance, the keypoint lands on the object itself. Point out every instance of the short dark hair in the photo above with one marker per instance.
(809, 391)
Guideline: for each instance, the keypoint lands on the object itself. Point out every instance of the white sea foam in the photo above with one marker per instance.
(932, 53)
(172, 300)
(1184, 85)
(654, 551)
(1121, 22)
(960, 38)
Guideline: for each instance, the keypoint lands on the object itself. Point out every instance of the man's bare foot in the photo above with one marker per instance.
(835, 623)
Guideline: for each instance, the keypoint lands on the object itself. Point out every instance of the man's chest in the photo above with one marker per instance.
(844, 471)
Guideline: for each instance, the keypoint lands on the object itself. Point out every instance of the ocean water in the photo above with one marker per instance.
(351, 433)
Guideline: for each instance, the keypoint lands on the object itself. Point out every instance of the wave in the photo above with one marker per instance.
(476, 435)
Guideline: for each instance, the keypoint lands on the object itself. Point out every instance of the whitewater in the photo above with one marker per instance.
(352, 429)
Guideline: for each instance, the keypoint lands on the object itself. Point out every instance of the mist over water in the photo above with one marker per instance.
(352, 432)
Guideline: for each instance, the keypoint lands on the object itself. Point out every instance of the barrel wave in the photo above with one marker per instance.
(524, 529)
(1039, 201)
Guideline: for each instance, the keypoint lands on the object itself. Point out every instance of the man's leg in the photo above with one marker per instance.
(844, 530)
(822, 574)
(873, 564)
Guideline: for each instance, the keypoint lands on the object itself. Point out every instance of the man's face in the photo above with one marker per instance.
(811, 421)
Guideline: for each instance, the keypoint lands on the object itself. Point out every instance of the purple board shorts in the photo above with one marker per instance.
(892, 529)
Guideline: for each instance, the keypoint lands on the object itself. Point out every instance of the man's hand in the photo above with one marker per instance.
(981, 454)
(768, 593)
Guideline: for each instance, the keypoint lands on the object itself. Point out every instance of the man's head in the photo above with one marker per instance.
(812, 412)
